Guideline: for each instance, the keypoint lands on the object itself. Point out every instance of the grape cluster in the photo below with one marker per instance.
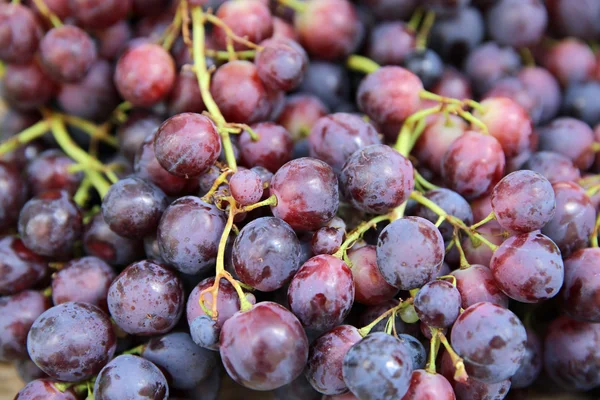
(303, 199)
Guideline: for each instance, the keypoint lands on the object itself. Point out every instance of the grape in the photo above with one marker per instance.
(146, 299)
(185, 96)
(389, 95)
(571, 138)
(305, 206)
(445, 6)
(369, 314)
(239, 93)
(531, 366)
(573, 221)
(266, 254)
(246, 187)
(474, 389)
(208, 389)
(328, 29)
(425, 385)
(98, 14)
(149, 7)
(85, 280)
(272, 149)
(328, 81)
(145, 74)
(300, 113)
(44, 389)
(185, 365)
(26, 86)
(542, 84)
(553, 166)
(17, 314)
(476, 284)
(426, 64)
(575, 21)
(473, 164)
(132, 377)
(321, 293)
(516, 23)
(488, 63)
(491, 340)
(189, 233)
(454, 36)
(571, 356)
(101, 242)
(13, 194)
(133, 207)
(113, 40)
(377, 179)
(390, 9)
(264, 348)
(410, 252)
(579, 103)
(378, 367)
(416, 349)
(390, 43)
(251, 19)
(534, 195)
(281, 63)
(511, 88)
(326, 356)
(187, 144)
(451, 202)
(328, 239)
(335, 137)
(50, 223)
(438, 304)
(570, 61)
(67, 53)
(580, 290)
(19, 33)
(135, 130)
(299, 389)
(71, 341)
(438, 135)
(453, 84)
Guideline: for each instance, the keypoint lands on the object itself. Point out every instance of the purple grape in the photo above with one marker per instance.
(378, 368)
(20, 268)
(531, 365)
(185, 96)
(516, 23)
(371, 287)
(189, 233)
(369, 314)
(491, 340)
(327, 240)
(488, 63)
(410, 252)
(377, 179)
(50, 171)
(71, 341)
(321, 293)
(272, 149)
(416, 349)
(146, 299)
(455, 36)
(582, 285)
(425, 385)
(13, 194)
(553, 166)
(85, 280)
(451, 202)
(438, 304)
(19, 35)
(326, 357)
(264, 348)
(26, 86)
(390, 42)
(535, 198)
(100, 241)
(131, 377)
(305, 207)
(281, 63)
(44, 389)
(542, 84)
(266, 254)
(184, 364)
(570, 137)
(17, 314)
(477, 284)
(571, 353)
(246, 187)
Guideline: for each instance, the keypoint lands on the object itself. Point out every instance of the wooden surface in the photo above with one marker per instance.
(10, 383)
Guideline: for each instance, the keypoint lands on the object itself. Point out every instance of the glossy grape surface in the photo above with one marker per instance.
(438, 304)
(580, 290)
(44, 389)
(371, 288)
(425, 385)
(100, 241)
(20, 268)
(477, 284)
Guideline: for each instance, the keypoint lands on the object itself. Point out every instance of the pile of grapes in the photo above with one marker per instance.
(300, 199)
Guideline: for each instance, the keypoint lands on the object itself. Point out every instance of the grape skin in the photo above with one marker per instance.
(532, 363)
(20, 268)
(477, 284)
(44, 389)
(371, 288)
(424, 385)
(581, 285)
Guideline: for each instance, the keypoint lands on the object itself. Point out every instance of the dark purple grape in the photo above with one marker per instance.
(305, 207)
(390, 42)
(13, 194)
(553, 166)
(455, 36)
(535, 199)
(328, 81)
(98, 14)
(391, 9)
(100, 241)
(371, 287)
(189, 233)
(328, 29)
(146, 299)
(491, 340)
(571, 353)
(426, 64)
(299, 389)
(321, 293)
(187, 144)
(571, 138)
(85, 280)
(517, 23)
(473, 164)
(573, 221)
(451, 202)
(185, 365)
(145, 74)
(246, 187)
(334, 138)
(28, 371)
(44, 389)
(389, 95)
(50, 224)
(378, 368)
(416, 349)
(20, 33)
(424, 385)
(71, 341)
(577, 21)
(543, 85)
(488, 63)
(531, 365)
(135, 130)
(17, 314)
(26, 86)
(266, 254)
(113, 40)
(264, 348)
(300, 113)
(377, 179)
(438, 304)
(328, 239)
(281, 63)
(579, 295)
(185, 96)
(579, 103)
(476, 284)
(132, 207)
(131, 377)
(410, 252)
(20, 268)
(272, 149)
(570, 61)
(67, 53)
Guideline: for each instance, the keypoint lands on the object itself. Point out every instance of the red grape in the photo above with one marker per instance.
(438, 135)
(300, 113)
(100, 241)
(390, 43)
(281, 63)
(371, 288)
(13, 194)
(424, 385)
(477, 284)
(272, 149)
(19, 33)
(44, 389)
(570, 61)
(185, 96)
(26, 86)
(251, 19)
(98, 14)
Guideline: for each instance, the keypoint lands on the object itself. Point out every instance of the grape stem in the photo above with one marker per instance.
(460, 374)
(415, 19)
(404, 143)
(464, 263)
(421, 42)
(361, 64)
(357, 233)
(434, 347)
(119, 114)
(99, 132)
(424, 182)
(491, 216)
(47, 292)
(218, 182)
(527, 57)
(452, 279)
(229, 33)
(82, 195)
(171, 32)
(45, 11)
(295, 5)
(33, 132)
(137, 350)
(594, 237)
(226, 56)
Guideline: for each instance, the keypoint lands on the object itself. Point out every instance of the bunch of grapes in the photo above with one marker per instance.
(300, 199)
